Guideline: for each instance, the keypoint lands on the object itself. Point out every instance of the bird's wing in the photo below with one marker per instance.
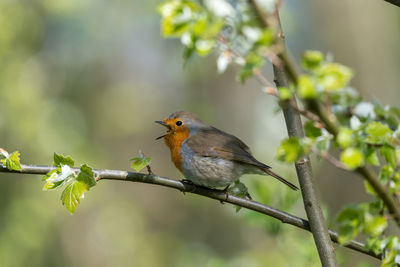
(212, 142)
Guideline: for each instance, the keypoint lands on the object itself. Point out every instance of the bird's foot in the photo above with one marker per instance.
(225, 191)
(248, 196)
(193, 185)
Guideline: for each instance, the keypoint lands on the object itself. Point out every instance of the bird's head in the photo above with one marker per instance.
(180, 125)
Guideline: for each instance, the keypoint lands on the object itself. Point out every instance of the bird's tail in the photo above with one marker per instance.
(283, 180)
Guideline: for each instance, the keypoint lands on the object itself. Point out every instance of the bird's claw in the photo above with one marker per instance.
(186, 181)
(225, 190)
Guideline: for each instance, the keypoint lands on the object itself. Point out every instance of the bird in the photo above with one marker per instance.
(207, 156)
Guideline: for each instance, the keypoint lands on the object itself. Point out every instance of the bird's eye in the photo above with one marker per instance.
(179, 123)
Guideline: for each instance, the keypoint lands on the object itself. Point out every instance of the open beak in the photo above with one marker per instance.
(165, 125)
(162, 123)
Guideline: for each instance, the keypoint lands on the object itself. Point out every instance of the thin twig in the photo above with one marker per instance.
(332, 126)
(334, 161)
(118, 175)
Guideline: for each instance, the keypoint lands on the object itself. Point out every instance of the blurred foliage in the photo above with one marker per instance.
(363, 128)
(87, 77)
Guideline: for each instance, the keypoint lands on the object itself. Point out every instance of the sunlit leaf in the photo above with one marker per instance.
(58, 177)
(375, 225)
(352, 158)
(389, 153)
(290, 150)
(86, 176)
(333, 76)
(311, 59)
(372, 157)
(12, 161)
(389, 260)
(60, 160)
(306, 87)
(345, 137)
(72, 194)
(139, 163)
(377, 132)
(312, 131)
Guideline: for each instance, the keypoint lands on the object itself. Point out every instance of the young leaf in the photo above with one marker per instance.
(345, 137)
(390, 155)
(12, 161)
(58, 177)
(306, 87)
(311, 59)
(140, 162)
(60, 160)
(86, 176)
(375, 225)
(389, 260)
(350, 220)
(352, 158)
(311, 130)
(72, 194)
(333, 76)
(377, 133)
(290, 150)
(372, 158)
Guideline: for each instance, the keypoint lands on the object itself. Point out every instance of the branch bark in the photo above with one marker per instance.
(206, 192)
(294, 127)
(394, 2)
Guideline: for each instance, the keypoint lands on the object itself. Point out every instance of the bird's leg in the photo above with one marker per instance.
(225, 190)
(248, 196)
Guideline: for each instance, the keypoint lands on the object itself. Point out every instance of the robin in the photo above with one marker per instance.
(208, 156)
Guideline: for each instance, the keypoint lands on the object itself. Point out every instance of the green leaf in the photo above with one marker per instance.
(285, 93)
(352, 158)
(12, 161)
(345, 137)
(306, 87)
(333, 76)
(86, 176)
(385, 173)
(311, 130)
(266, 38)
(375, 225)
(389, 154)
(72, 194)
(290, 150)
(60, 160)
(368, 187)
(140, 162)
(239, 190)
(389, 260)
(372, 157)
(58, 177)
(374, 244)
(253, 61)
(350, 220)
(204, 47)
(311, 59)
(377, 133)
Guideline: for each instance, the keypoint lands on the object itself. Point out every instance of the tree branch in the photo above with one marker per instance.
(295, 128)
(394, 2)
(369, 175)
(206, 192)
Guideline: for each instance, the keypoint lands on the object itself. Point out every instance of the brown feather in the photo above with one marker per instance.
(226, 146)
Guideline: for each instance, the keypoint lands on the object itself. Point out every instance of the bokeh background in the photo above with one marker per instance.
(88, 78)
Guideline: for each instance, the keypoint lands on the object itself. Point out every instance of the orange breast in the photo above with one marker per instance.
(174, 141)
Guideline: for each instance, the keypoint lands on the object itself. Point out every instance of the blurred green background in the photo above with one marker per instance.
(88, 78)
